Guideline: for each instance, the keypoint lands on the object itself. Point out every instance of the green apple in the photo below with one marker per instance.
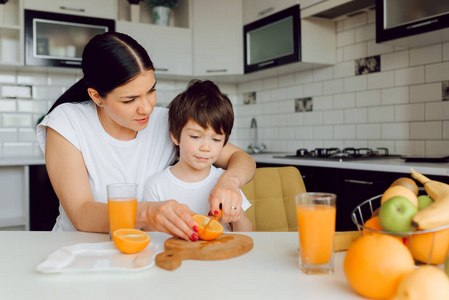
(396, 214)
(424, 201)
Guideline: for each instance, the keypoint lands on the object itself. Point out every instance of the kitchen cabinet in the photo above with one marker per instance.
(14, 205)
(43, 202)
(170, 48)
(412, 23)
(217, 37)
(11, 33)
(255, 9)
(352, 187)
(106, 9)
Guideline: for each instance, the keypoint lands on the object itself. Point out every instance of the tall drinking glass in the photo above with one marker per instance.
(122, 205)
(316, 213)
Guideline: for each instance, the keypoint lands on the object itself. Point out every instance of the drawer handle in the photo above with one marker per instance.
(69, 62)
(358, 181)
(217, 71)
(72, 8)
(161, 69)
(265, 11)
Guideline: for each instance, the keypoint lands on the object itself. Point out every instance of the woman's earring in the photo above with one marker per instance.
(99, 104)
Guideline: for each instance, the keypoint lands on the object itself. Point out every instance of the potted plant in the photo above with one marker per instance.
(134, 6)
(161, 10)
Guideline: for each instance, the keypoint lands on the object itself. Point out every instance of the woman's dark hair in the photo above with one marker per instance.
(109, 60)
(204, 103)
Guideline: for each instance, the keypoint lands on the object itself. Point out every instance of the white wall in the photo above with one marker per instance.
(399, 107)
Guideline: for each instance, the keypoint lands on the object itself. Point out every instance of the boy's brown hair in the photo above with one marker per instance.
(204, 103)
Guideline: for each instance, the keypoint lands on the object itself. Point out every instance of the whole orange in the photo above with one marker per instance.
(422, 249)
(375, 264)
(373, 223)
(399, 190)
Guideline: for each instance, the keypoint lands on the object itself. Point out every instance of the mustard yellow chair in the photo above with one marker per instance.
(272, 195)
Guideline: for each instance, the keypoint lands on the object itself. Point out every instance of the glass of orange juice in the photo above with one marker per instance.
(122, 205)
(316, 213)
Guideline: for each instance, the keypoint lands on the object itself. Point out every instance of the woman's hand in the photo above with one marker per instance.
(171, 217)
(240, 168)
(227, 193)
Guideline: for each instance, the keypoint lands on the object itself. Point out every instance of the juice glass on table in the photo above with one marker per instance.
(122, 205)
(316, 213)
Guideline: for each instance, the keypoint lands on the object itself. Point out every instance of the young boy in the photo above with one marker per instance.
(200, 120)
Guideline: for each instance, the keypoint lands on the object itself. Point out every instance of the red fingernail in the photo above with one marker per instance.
(194, 237)
(195, 228)
(216, 212)
(209, 213)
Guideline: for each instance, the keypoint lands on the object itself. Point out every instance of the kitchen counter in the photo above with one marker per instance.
(396, 165)
(269, 271)
(21, 161)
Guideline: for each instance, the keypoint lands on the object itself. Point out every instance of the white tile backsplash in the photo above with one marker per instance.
(425, 92)
(426, 131)
(437, 72)
(400, 108)
(426, 55)
(395, 60)
(409, 76)
(399, 95)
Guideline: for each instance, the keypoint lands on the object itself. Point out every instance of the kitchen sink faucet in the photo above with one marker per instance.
(254, 147)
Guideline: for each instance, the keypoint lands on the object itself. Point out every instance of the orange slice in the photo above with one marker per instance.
(130, 241)
(208, 228)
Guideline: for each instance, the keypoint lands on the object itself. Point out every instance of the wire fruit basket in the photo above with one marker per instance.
(429, 247)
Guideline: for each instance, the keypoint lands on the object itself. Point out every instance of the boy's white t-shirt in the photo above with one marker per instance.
(165, 186)
(107, 159)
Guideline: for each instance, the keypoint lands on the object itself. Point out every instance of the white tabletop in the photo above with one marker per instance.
(269, 271)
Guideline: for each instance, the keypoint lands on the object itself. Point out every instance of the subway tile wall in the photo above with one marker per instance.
(400, 107)
(19, 116)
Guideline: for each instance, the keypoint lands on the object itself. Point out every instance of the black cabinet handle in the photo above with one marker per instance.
(358, 181)
(72, 8)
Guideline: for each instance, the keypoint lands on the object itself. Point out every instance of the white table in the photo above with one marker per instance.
(269, 271)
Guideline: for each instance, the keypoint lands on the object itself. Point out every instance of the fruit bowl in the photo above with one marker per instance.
(429, 247)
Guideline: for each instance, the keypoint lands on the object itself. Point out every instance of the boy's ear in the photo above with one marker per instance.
(174, 139)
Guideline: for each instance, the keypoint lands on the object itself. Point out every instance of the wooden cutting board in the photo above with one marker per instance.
(225, 246)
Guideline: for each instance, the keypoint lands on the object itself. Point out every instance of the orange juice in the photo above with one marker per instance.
(316, 227)
(122, 213)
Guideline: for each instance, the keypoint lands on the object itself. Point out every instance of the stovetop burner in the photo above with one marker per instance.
(337, 154)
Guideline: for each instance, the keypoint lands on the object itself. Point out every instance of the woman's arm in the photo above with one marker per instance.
(69, 178)
(240, 168)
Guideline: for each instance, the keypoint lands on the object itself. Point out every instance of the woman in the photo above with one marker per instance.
(106, 129)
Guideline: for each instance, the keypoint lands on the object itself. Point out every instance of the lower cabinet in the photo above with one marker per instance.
(352, 187)
(43, 201)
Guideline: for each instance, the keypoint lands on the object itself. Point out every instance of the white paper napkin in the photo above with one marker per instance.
(88, 257)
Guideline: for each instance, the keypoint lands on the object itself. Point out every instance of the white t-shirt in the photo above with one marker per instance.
(107, 159)
(165, 186)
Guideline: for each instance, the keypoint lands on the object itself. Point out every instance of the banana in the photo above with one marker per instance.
(436, 214)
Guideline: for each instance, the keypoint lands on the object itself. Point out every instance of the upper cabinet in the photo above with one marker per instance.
(11, 33)
(170, 48)
(106, 9)
(217, 37)
(412, 23)
(256, 9)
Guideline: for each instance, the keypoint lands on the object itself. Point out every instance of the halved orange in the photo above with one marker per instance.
(130, 241)
(208, 232)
